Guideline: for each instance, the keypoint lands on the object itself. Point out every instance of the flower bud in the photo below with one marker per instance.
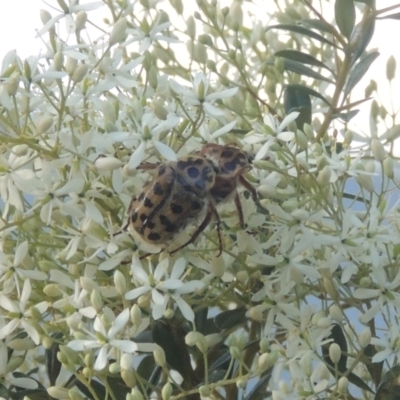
(391, 68)
(204, 391)
(118, 33)
(159, 356)
(335, 353)
(335, 312)
(74, 394)
(343, 385)
(120, 283)
(256, 312)
(96, 300)
(388, 168)
(324, 176)
(191, 27)
(44, 124)
(135, 395)
(267, 360)
(80, 73)
(58, 392)
(166, 391)
(365, 338)
(58, 61)
(128, 377)
(70, 66)
(191, 338)
(45, 16)
(80, 20)
(378, 151)
(348, 137)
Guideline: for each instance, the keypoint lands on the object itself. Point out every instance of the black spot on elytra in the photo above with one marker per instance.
(176, 208)
(157, 189)
(148, 203)
(227, 153)
(153, 236)
(193, 172)
(164, 220)
(195, 205)
(134, 216)
(231, 165)
(161, 170)
(150, 225)
(170, 228)
(141, 196)
(143, 217)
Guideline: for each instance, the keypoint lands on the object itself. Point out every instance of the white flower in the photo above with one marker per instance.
(22, 313)
(164, 288)
(7, 378)
(146, 39)
(199, 95)
(105, 340)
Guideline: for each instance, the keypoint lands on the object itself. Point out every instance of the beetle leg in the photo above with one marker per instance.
(211, 211)
(239, 209)
(249, 187)
(147, 165)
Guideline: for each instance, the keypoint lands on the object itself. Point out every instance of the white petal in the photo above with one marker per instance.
(101, 360)
(26, 293)
(225, 129)
(287, 120)
(212, 110)
(80, 345)
(9, 328)
(7, 304)
(222, 95)
(137, 156)
(165, 151)
(119, 323)
(20, 253)
(125, 345)
(286, 136)
(135, 293)
(186, 311)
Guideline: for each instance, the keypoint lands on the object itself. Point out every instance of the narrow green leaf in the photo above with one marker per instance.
(346, 117)
(258, 391)
(345, 16)
(308, 91)
(301, 69)
(231, 318)
(359, 71)
(361, 36)
(302, 31)
(302, 58)
(391, 16)
(319, 25)
(356, 380)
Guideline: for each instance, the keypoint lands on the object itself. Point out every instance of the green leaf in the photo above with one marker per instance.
(171, 340)
(53, 366)
(302, 58)
(337, 337)
(308, 91)
(302, 31)
(322, 26)
(200, 319)
(361, 36)
(345, 16)
(301, 69)
(391, 16)
(359, 71)
(231, 318)
(258, 390)
(346, 117)
(297, 100)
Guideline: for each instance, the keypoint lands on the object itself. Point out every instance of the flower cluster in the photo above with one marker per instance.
(302, 302)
